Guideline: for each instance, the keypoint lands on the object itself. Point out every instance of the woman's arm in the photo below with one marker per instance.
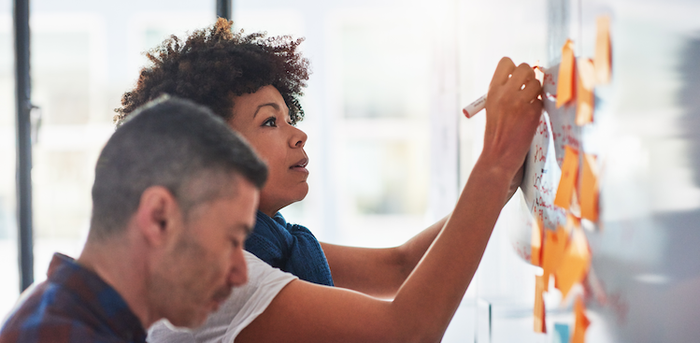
(378, 272)
(425, 303)
(304, 312)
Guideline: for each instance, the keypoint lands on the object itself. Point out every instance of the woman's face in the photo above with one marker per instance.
(263, 119)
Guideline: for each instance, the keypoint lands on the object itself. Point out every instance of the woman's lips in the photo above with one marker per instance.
(301, 165)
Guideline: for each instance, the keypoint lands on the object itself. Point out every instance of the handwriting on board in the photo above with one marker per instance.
(557, 131)
(539, 187)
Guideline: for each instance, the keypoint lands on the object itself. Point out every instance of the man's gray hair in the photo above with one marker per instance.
(172, 143)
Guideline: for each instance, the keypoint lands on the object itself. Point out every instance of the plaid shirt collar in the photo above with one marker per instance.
(104, 304)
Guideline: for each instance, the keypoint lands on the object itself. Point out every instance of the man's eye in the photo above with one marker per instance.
(272, 122)
(235, 243)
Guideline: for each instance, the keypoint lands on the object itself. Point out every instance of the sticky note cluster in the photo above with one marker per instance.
(578, 184)
(578, 187)
(563, 252)
(578, 77)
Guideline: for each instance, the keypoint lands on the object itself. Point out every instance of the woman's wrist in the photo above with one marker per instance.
(494, 166)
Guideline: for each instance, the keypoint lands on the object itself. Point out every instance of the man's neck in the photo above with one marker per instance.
(117, 264)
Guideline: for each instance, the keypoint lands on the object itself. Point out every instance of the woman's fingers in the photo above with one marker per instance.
(532, 89)
(503, 71)
(521, 75)
(521, 78)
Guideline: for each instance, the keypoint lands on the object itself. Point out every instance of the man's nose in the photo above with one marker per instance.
(238, 274)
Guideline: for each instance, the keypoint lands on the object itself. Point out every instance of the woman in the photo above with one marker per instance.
(254, 84)
(233, 74)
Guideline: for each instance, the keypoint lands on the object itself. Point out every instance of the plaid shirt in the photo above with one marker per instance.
(73, 305)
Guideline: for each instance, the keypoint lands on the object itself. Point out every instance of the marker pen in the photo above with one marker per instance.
(476, 106)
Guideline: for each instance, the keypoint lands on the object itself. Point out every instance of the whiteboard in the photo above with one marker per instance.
(644, 280)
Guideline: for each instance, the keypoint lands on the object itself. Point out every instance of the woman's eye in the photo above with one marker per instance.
(272, 122)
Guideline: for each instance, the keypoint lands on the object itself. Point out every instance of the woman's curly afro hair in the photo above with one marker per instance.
(214, 64)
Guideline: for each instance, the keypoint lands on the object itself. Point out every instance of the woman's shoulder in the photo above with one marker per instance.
(244, 304)
(260, 273)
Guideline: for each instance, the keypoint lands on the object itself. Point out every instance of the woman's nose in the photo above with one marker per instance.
(298, 138)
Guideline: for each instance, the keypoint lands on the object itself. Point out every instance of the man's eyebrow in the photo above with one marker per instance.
(240, 229)
(274, 105)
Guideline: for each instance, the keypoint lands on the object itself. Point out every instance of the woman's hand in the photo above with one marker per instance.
(512, 115)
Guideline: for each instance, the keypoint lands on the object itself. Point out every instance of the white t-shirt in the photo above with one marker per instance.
(244, 305)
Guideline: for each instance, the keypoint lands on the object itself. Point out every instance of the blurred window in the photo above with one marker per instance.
(9, 282)
(84, 55)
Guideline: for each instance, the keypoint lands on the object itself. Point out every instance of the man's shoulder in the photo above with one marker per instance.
(55, 329)
(50, 328)
(52, 314)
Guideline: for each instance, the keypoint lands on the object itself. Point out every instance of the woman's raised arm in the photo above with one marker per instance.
(425, 303)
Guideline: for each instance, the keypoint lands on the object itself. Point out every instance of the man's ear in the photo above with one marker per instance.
(157, 215)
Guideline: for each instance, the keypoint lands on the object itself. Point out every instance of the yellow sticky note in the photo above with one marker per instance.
(540, 325)
(554, 246)
(589, 188)
(581, 322)
(536, 246)
(565, 81)
(569, 175)
(585, 82)
(603, 51)
(574, 264)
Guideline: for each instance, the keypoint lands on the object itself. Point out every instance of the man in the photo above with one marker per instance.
(174, 199)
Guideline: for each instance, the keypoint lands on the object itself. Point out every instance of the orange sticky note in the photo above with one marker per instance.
(574, 264)
(581, 323)
(585, 81)
(565, 81)
(536, 249)
(589, 188)
(569, 175)
(603, 51)
(554, 246)
(539, 310)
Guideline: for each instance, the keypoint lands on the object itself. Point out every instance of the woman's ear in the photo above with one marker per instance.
(158, 215)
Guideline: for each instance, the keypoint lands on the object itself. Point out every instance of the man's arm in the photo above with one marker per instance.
(425, 303)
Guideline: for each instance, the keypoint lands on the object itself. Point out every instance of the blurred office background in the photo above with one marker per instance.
(388, 147)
